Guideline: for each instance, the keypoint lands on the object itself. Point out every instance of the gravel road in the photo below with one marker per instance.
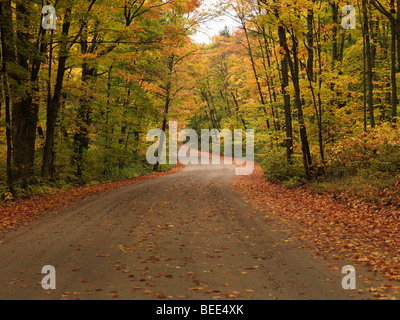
(187, 235)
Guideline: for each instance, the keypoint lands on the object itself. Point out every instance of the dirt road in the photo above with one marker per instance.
(183, 236)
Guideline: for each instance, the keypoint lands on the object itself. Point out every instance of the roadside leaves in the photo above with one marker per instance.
(334, 229)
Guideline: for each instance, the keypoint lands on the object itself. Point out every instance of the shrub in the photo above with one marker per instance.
(369, 153)
(277, 169)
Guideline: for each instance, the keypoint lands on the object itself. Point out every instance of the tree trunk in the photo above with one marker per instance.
(81, 137)
(310, 44)
(238, 111)
(369, 64)
(250, 51)
(53, 104)
(7, 55)
(171, 62)
(397, 23)
(335, 18)
(286, 96)
(295, 71)
(25, 109)
(394, 99)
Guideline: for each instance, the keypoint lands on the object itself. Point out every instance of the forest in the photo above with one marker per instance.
(316, 80)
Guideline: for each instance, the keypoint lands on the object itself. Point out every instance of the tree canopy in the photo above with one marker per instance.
(316, 80)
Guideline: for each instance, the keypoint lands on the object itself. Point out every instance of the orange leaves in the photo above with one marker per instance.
(335, 229)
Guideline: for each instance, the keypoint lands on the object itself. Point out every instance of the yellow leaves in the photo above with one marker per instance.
(87, 56)
(233, 295)
(253, 268)
(122, 248)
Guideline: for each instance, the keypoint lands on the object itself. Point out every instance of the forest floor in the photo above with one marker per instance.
(335, 226)
(376, 192)
(199, 233)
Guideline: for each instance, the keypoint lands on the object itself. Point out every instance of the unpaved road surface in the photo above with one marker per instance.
(183, 236)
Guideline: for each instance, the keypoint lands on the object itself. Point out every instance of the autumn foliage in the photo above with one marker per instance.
(337, 229)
